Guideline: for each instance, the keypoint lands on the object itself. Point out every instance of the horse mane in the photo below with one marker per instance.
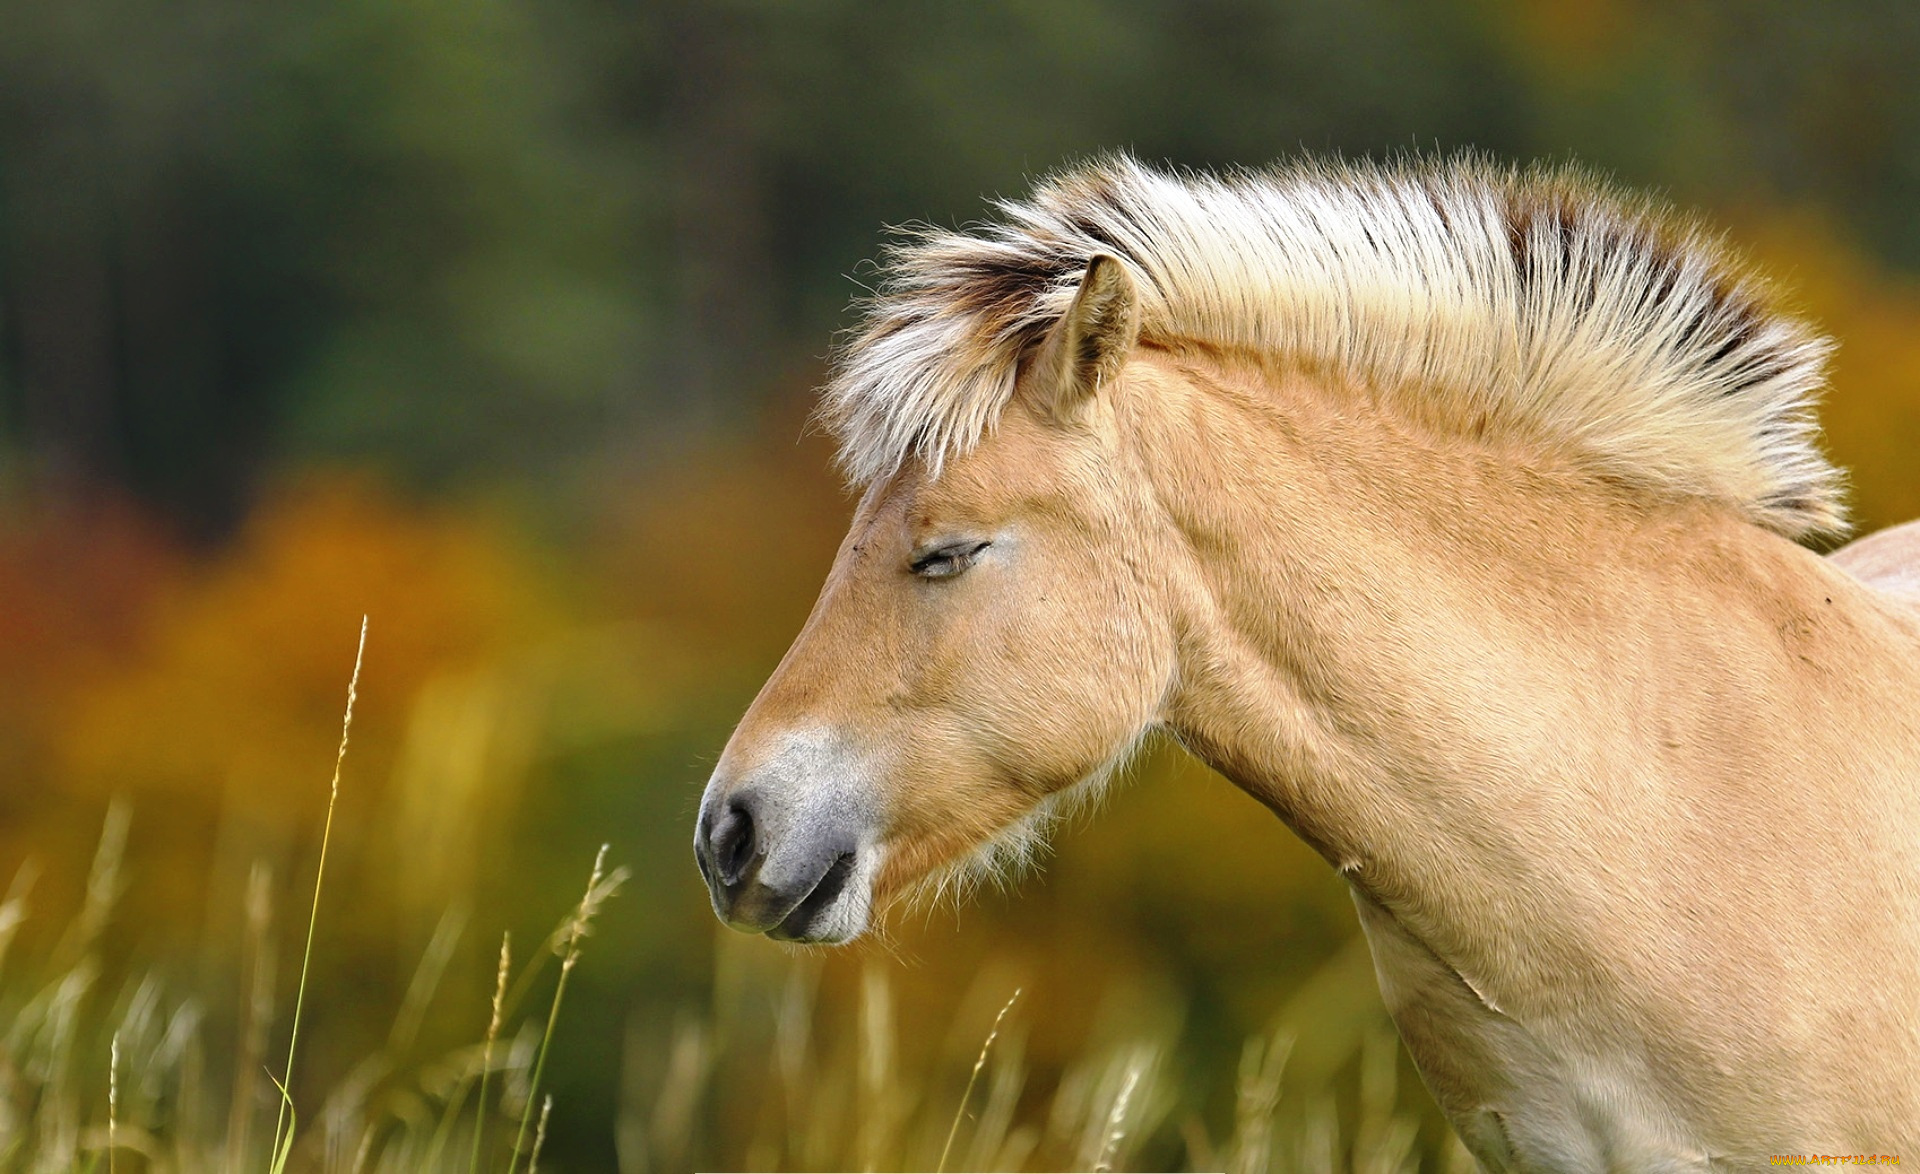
(1536, 299)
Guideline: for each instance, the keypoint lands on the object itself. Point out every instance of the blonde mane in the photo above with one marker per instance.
(1537, 300)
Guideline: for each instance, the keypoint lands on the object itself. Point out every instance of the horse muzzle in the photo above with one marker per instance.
(785, 855)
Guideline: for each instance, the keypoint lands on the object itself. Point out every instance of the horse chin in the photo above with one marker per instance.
(1015, 850)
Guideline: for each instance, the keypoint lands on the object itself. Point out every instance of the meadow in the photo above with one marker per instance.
(114, 1064)
(498, 325)
(113, 1071)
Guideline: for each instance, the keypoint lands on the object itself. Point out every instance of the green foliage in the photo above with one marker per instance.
(516, 243)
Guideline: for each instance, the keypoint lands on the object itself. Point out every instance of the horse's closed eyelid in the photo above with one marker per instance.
(948, 559)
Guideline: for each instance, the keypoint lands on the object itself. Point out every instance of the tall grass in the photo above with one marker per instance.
(817, 1089)
(105, 1067)
(119, 1077)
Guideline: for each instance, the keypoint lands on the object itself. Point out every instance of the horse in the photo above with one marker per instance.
(1463, 516)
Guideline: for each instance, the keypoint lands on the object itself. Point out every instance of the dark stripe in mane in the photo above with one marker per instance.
(1536, 295)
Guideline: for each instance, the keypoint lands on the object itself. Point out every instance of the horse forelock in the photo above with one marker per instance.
(1540, 298)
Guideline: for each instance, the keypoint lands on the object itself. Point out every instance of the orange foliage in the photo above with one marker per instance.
(729, 546)
(208, 691)
(75, 585)
(238, 683)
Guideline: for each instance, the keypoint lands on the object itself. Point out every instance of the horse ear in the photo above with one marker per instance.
(1090, 344)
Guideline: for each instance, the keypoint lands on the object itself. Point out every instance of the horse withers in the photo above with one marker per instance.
(1453, 513)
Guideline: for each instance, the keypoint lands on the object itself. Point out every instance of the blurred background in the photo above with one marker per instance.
(497, 321)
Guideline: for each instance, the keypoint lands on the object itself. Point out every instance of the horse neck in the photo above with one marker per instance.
(1431, 655)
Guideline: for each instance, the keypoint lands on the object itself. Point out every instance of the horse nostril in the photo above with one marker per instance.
(733, 842)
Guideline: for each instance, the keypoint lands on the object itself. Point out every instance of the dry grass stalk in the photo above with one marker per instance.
(600, 886)
(256, 1014)
(689, 1063)
(978, 1063)
(1263, 1065)
(103, 886)
(486, 1052)
(540, 1135)
(113, 1105)
(1106, 1105)
(997, 1144)
(793, 1029)
(13, 910)
(1116, 1131)
(1382, 1139)
(879, 1080)
(282, 1147)
(426, 979)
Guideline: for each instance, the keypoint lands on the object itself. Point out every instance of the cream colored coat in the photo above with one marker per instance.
(1625, 782)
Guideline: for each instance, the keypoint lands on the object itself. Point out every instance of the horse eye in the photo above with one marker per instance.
(944, 562)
